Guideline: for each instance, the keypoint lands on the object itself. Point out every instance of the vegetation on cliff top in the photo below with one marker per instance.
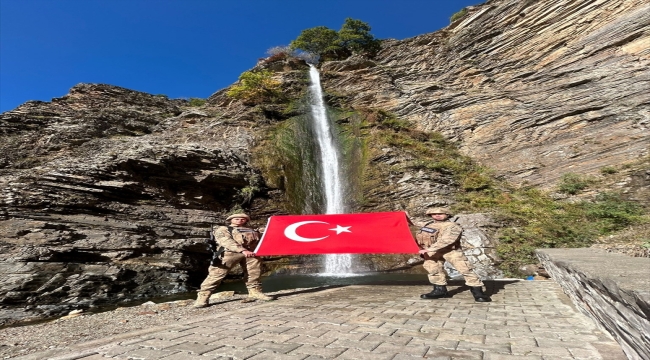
(354, 37)
(196, 102)
(256, 87)
(457, 15)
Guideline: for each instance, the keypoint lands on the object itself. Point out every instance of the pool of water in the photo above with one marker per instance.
(287, 282)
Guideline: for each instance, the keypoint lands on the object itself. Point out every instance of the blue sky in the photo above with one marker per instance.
(188, 48)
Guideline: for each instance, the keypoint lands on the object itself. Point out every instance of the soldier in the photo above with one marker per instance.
(439, 240)
(238, 241)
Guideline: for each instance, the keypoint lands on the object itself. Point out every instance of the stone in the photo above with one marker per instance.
(222, 295)
(529, 270)
(612, 289)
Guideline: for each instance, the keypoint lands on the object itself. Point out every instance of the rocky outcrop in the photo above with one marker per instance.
(533, 89)
(107, 196)
(479, 245)
(612, 289)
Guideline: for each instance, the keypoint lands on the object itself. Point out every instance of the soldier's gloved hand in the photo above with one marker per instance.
(248, 253)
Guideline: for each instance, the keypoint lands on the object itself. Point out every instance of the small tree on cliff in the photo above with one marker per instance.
(355, 35)
(317, 40)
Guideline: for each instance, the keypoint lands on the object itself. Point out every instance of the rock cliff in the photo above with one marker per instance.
(106, 194)
(533, 89)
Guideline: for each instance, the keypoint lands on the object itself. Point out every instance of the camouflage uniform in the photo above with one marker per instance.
(242, 238)
(441, 240)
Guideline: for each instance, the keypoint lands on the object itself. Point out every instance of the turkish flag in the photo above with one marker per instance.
(369, 233)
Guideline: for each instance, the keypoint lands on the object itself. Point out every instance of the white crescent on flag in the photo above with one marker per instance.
(290, 231)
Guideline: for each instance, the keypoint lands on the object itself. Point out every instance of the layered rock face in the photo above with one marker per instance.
(533, 89)
(107, 196)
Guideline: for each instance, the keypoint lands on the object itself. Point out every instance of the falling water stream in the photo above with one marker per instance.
(338, 265)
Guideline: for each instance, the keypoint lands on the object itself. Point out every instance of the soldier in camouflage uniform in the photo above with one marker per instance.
(439, 240)
(239, 242)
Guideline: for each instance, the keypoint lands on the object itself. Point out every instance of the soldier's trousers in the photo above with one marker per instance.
(252, 271)
(435, 266)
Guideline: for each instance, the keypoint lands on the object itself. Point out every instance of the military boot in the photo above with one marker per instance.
(202, 299)
(479, 296)
(254, 293)
(439, 291)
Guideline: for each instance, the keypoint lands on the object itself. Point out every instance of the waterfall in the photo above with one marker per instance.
(330, 168)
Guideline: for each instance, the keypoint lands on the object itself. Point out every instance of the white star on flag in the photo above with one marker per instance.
(339, 229)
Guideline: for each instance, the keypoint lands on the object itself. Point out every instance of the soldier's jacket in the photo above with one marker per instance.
(434, 236)
(242, 238)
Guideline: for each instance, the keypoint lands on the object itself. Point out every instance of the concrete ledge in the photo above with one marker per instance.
(612, 289)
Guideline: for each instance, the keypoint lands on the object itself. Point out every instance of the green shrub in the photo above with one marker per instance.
(475, 180)
(571, 183)
(457, 15)
(247, 193)
(610, 212)
(608, 170)
(530, 218)
(255, 87)
(390, 121)
(196, 102)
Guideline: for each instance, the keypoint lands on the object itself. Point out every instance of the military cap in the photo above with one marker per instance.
(439, 210)
(240, 215)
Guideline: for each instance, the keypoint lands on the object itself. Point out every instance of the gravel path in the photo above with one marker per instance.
(66, 331)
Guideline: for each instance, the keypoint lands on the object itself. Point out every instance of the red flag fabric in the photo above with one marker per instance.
(368, 233)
